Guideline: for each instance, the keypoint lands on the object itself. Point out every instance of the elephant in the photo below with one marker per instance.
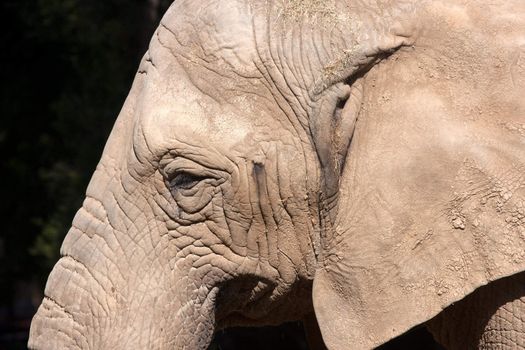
(359, 164)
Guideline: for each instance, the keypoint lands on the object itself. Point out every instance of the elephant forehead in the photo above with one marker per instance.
(211, 30)
(174, 113)
(202, 87)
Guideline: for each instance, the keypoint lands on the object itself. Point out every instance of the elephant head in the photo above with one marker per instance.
(361, 158)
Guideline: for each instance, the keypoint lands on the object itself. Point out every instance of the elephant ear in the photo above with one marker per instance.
(429, 209)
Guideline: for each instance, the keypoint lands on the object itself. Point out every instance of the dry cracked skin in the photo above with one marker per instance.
(363, 161)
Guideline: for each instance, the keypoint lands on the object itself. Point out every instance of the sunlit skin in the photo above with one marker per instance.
(360, 161)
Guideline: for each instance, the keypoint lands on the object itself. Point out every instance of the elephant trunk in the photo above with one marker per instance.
(94, 299)
(79, 286)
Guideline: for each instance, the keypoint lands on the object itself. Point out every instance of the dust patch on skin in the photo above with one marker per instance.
(313, 10)
(517, 69)
(362, 50)
(479, 189)
(513, 127)
(456, 15)
(351, 57)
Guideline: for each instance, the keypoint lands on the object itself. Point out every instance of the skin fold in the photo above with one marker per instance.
(362, 160)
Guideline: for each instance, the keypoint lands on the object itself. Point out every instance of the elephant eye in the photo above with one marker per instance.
(185, 181)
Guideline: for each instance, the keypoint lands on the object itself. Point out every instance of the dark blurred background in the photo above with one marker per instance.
(66, 68)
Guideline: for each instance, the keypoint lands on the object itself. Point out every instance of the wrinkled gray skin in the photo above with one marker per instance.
(360, 159)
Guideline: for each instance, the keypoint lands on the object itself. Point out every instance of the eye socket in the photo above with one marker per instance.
(185, 181)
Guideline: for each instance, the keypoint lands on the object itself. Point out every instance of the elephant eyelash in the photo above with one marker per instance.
(185, 181)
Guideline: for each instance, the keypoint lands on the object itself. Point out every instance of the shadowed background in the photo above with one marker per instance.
(67, 66)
